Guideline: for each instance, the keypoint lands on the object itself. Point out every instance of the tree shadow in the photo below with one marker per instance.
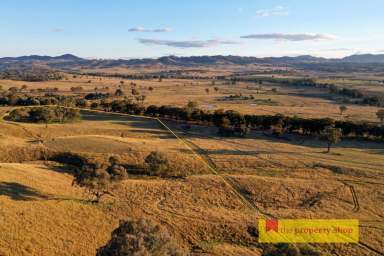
(151, 128)
(65, 168)
(19, 192)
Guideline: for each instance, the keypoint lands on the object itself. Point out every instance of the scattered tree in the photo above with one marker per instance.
(332, 136)
(76, 89)
(13, 89)
(342, 109)
(135, 92)
(119, 93)
(380, 115)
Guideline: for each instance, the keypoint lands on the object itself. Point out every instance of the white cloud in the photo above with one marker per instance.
(338, 49)
(157, 30)
(185, 44)
(290, 37)
(275, 11)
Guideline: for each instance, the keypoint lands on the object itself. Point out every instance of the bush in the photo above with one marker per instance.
(142, 237)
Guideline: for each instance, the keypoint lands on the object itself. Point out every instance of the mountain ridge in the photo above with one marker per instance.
(71, 62)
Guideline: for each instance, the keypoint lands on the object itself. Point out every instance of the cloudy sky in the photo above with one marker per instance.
(153, 28)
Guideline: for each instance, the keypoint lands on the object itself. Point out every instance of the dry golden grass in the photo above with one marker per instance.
(42, 214)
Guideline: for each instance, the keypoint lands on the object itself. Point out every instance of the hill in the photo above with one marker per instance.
(72, 62)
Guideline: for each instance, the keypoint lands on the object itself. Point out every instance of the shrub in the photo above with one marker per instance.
(141, 237)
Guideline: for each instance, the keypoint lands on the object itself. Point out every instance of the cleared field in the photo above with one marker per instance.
(279, 178)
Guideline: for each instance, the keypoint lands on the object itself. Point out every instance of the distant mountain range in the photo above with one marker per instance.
(72, 62)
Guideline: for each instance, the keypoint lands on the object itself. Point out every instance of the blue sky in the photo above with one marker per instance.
(153, 28)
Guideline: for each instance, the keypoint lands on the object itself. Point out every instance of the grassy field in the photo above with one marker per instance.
(43, 214)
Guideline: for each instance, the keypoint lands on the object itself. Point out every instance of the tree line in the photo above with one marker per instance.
(234, 123)
(229, 123)
(45, 115)
(31, 75)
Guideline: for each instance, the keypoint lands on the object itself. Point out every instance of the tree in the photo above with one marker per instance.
(342, 109)
(283, 249)
(119, 93)
(157, 163)
(135, 92)
(13, 89)
(97, 182)
(332, 136)
(207, 90)
(98, 179)
(225, 127)
(380, 115)
(140, 237)
(41, 115)
(65, 114)
(192, 105)
(94, 105)
(216, 89)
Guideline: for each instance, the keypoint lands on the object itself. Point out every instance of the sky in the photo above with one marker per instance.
(154, 28)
